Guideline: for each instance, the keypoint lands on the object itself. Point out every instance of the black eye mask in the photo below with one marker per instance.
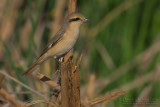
(74, 19)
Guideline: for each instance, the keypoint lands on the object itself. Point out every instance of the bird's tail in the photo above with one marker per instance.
(34, 65)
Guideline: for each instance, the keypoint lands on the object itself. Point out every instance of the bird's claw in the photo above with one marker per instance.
(61, 59)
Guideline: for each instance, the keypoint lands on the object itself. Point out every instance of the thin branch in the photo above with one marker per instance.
(48, 81)
(143, 98)
(20, 83)
(39, 101)
(137, 82)
(108, 96)
(91, 87)
(8, 97)
(105, 56)
(79, 60)
(29, 92)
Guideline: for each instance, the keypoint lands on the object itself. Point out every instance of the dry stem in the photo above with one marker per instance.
(7, 96)
(70, 80)
(108, 96)
(48, 81)
(20, 83)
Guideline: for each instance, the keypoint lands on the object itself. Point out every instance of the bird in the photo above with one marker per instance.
(62, 42)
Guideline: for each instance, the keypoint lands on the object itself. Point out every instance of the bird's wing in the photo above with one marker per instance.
(54, 40)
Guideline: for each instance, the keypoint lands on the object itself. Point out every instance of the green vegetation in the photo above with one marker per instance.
(130, 39)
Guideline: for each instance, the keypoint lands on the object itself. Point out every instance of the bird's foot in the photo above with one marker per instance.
(61, 59)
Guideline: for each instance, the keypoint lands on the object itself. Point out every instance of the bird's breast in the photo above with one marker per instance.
(66, 43)
(72, 34)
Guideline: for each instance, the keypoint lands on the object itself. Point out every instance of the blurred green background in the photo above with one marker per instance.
(120, 47)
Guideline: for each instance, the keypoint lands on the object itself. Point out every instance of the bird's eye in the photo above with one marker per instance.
(74, 19)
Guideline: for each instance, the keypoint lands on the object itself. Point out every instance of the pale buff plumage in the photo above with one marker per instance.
(63, 41)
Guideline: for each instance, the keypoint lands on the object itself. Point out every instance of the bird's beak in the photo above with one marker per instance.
(85, 20)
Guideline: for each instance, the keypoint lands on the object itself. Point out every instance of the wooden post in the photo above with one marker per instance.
(70, 80)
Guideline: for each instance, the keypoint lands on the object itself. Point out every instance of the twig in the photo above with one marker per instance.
(108, 96)
(9, 98)
(51, 83)
(54, 97)
(48, 81)
(143, 98)
(39, 101)
(28, 92)
(20, 83)
(105, 56)
(137, 82)
(79, 60)
(91, 87)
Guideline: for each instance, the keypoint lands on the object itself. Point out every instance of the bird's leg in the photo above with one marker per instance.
(61, 59)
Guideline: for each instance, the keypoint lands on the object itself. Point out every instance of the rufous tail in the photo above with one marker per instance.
(33, 66)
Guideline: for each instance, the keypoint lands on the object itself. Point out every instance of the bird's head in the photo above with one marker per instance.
(76, 19)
